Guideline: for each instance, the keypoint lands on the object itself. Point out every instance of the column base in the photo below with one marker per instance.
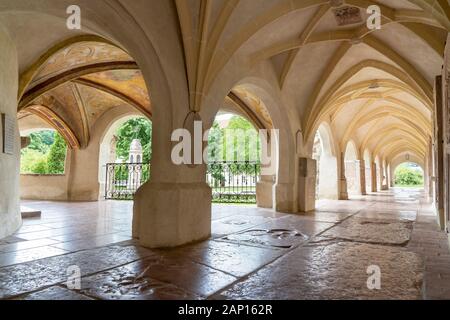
(172, 214)
(307, 185)
(343, 194)
(264, 194)
(441, 218)
(284, 198)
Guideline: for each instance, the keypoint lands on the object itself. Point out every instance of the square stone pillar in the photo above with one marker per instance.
(362, 176)
(343, 192)
(374, 177)
(439, 171)
(264, 191)
(307, 184)
(172, 214)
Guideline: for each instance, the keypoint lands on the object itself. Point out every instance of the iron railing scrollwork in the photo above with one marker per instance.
(231, 182)
(124, 179)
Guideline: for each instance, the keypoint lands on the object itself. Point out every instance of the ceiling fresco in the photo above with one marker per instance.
(256, 105)
(72, 103)
(127, 82)
(77, 55)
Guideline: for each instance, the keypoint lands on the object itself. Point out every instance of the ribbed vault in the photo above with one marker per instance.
(374, 87)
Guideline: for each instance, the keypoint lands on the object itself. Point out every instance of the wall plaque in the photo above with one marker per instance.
(8, 134)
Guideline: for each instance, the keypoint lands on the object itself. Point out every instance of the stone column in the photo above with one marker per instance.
(362, 176)
(383, 178)
(307, 184)
(265, 186)
(439, 187)
(374, 177)
(343, 193)
(264, 191)
(431, 169)
(174, 207)
(391, 177)
(10, 217)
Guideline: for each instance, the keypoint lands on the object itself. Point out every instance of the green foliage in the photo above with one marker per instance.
(57, 156)
(40, 167)
(405, 176)
(46, 154)
(137, 128)
(215, 143)
(42, 140)
(30, 161)
(241, 136)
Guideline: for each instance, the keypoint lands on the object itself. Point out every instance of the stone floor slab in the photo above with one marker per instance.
(235, 259)
(22, 278)
(54, 293)
(375, 231)
(333, 271)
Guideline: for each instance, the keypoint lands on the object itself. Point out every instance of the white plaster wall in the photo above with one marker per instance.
(10, 219)
(47, 187)
(328, 188)
(43, 187)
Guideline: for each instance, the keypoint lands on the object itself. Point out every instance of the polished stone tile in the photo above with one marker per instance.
(26, 245)
(333, 271)
(37, 274)
(235, 223)
(324, 216)
(53, 294)
(21, 256)
(375, 231)
(237, 260)
(257, 253)
(27, 229)
(181, 273)
(90, 243)
(388, 215)
(131, 283)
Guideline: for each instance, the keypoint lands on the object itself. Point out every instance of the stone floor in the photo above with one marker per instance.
(252, 254)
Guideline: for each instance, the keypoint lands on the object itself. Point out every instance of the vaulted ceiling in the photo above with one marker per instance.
(374, 87)
(76, 82)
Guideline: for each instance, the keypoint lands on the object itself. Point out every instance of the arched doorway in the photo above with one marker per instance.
(326, 178)
(234, 161)
(352, 169)
(368, 170)
(409, 175)
(44, 164)
(124, 157)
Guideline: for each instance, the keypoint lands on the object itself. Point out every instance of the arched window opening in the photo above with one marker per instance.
(234, 165)
(326, 164)
(125, 154)
(352, 169)
(45, 155)
(409, 175)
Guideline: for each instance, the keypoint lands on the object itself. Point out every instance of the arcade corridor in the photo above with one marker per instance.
(253, 254)
(305, 116)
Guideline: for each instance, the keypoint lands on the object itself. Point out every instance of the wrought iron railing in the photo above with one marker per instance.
(124, 179)
(233, 182)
